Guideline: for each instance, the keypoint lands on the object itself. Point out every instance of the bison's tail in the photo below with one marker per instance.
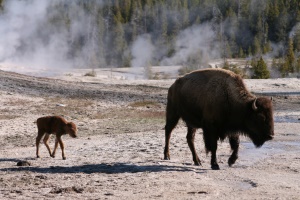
(172, 115)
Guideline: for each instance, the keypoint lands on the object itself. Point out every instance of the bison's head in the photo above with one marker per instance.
(259, 122)
(71, 129)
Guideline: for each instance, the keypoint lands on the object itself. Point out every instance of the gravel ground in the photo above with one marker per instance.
(119, 152)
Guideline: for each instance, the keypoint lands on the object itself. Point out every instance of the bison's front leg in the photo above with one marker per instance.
(213, 162)
(211, 145)
(190, 140)
(234, 144)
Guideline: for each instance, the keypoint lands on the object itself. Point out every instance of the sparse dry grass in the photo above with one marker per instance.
(143, 104)
(17, 102)
(74, 107)
(8, 117)
(91, 73)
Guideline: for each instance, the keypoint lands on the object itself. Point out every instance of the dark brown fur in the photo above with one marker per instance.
(54, 125)
(218, 102)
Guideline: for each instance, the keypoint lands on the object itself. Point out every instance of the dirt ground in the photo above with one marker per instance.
(119, 152)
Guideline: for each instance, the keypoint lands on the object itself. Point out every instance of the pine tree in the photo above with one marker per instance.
(296, 41)
(185, 21)
(290, 57)
(281, 26)
(241, 53)
(298, 66)
(1, 4)
(260, 70)
(283, 68)
(119, 41)
(256, 47)
(101, 45)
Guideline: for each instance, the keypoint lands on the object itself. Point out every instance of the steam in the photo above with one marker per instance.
(142, 51)
(32, 36)
(45, 34)
(21, 28)
(196, 42)
(29, 38)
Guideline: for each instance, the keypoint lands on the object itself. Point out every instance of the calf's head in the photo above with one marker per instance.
(71, 129)
(259, 122)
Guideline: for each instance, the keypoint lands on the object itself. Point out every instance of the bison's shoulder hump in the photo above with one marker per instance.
(211, 72)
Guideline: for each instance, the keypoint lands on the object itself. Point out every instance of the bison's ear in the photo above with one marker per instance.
(254, 107)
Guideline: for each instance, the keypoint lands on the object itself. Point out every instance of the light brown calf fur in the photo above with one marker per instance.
(54, 125)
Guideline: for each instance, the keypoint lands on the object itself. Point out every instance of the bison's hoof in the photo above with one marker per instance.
(53, 156)
(64, 158)
(37, 156)
(198, 163)
(215, 167)
(232, 160)
(167, 158)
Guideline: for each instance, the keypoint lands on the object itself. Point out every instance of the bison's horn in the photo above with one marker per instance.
(254, 107)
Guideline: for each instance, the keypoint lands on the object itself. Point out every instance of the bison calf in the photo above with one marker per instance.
(218, 102)
(54, 125)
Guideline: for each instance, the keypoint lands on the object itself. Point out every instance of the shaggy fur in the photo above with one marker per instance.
(54, 125)
(217, 101)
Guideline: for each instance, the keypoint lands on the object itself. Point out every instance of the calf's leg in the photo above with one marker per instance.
(55, 147)
(62, 148)
(46, 139)
(37, 142)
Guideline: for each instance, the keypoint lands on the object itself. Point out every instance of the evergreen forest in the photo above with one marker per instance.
(176, 32)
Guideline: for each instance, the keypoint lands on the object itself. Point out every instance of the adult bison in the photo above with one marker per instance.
(217, 101)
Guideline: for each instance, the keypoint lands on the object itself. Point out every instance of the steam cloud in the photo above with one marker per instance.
(21, 27)
(30, 38)
(142, 50)
(196, 41)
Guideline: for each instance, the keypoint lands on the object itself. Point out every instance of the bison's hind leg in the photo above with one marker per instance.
(234, 141)
(172, 119)
(190, 140)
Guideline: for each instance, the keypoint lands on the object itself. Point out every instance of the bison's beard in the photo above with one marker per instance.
(259, 141)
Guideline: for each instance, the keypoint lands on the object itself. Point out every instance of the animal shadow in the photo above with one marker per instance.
(107, 168)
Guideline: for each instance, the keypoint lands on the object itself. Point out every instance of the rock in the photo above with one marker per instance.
(23, 163)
